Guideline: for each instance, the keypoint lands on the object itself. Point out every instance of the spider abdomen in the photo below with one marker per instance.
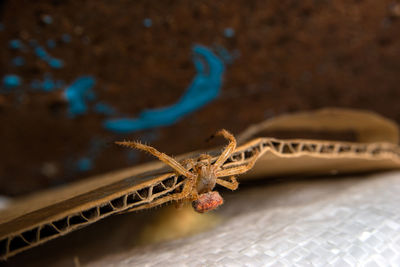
(208, 201)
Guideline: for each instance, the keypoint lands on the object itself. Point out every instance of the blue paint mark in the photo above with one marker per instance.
(203, 89)
(51, 43)
(84, 164)
(15, 44)
(229, 32)
(105, 109)
(52, 62)
(147, 22)
(87, 162)
(47, 19)
(47, 85)
(11, 81)
(66, 38)
(41, 53)
(55, 63)
(78, 93)
(18, 61)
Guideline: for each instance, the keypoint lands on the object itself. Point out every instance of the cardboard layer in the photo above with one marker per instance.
(367, 127)
(276, 157)
(45, 216)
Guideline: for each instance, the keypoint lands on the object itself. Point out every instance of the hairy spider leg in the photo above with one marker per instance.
(161, 156)
(228, 150)
(205, 157)
(188, 190)
(232, 184)
(188, 163)
(239, 169)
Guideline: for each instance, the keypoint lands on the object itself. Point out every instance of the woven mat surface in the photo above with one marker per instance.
(327, 222)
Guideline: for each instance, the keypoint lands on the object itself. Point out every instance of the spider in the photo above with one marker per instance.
(201, 173)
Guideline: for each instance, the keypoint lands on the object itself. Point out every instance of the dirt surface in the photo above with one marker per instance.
(289, 56)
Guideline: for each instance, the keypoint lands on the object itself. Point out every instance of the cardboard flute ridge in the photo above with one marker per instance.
(49, 218)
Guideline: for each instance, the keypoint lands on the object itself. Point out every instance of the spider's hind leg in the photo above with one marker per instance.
(228, 150)
(239, 169)
(232, 184)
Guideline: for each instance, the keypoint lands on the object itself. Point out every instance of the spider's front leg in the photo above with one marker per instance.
(161, 156)
(188, 192)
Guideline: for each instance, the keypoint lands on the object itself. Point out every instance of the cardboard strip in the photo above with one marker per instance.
(46, 216)
(366, 126)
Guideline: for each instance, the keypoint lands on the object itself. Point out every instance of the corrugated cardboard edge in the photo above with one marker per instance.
(372, 126)
(61, 211)
(144, 192)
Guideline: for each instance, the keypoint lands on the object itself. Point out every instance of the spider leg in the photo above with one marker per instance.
(161, 156)
(188, 163)
(186, 194)
(232, 184)
(204, 157)
(237, 170)
(187, 191)
(227, 151)
(169, 198)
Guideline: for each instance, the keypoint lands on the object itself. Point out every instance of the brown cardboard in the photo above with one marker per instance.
(46, 215)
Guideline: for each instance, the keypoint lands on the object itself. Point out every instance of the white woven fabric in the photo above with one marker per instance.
(335, 222)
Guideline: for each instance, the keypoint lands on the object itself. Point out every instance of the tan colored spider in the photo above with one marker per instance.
(202, 175)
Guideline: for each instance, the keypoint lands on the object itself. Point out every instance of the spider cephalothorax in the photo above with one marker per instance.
(201, 173)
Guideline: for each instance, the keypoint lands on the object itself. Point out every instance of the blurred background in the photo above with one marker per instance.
(78, 75)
